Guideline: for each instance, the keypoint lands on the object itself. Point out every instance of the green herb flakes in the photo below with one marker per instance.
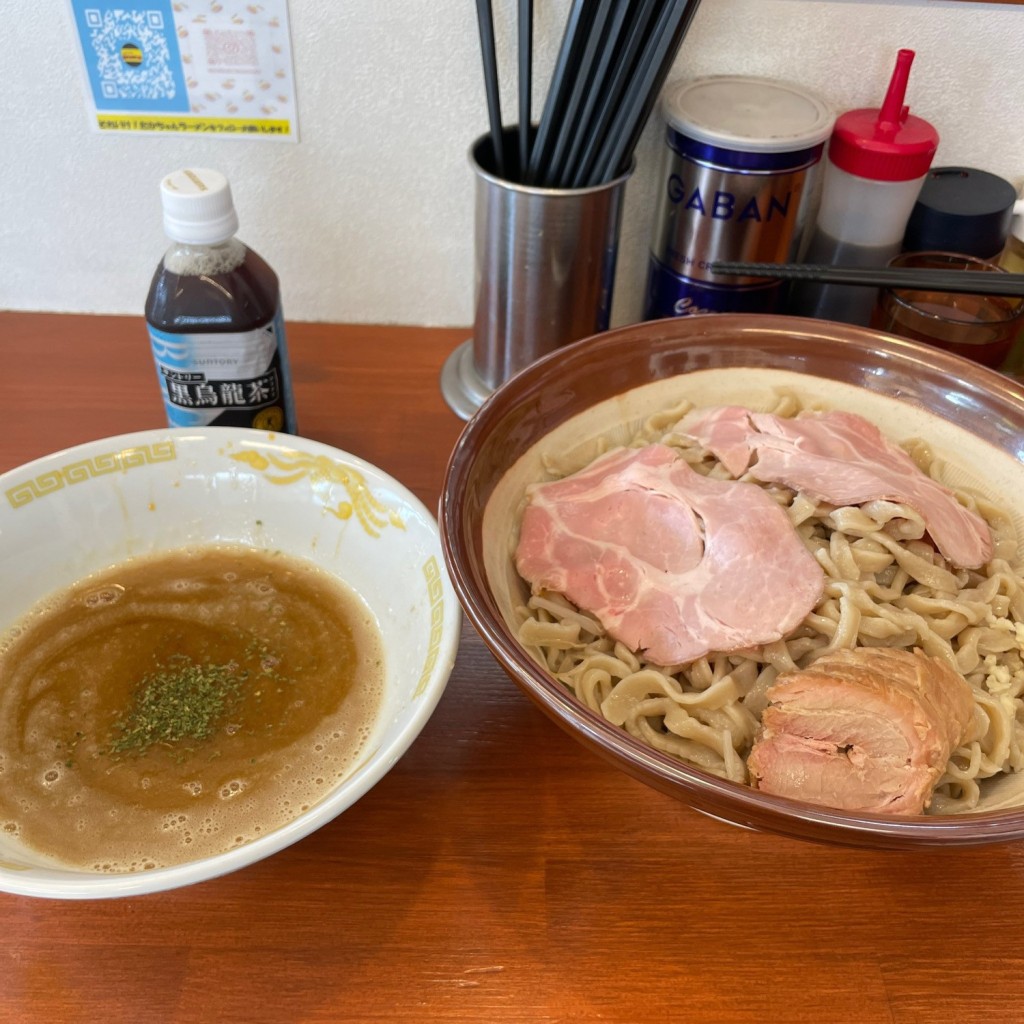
(180, 701)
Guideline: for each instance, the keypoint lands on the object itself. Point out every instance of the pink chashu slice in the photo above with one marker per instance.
(843, 459)
(673, 564)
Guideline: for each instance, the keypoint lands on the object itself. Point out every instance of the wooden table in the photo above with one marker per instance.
(500, 872)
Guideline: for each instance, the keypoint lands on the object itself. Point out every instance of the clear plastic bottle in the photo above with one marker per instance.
(214, 315)
(877, 160)
(1012, 257)
(1012, 260)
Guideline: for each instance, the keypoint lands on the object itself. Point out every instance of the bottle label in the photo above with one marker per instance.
(231, 379)
(671, 294)
(724, 204)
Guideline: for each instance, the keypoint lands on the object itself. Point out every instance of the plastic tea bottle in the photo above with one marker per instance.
(214, 315)
(876, 163)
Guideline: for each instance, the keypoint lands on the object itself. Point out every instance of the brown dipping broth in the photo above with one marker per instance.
(299, 658)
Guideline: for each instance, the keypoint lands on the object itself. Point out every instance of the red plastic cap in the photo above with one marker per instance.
(885, 143)
(864, 146)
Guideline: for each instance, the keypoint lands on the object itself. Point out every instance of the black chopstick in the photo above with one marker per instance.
(971, 282)
(573, 40)
(642, 92)
(612, 62)
(624, 66)
(525, 81)
(601, 81)
(582, 83)
(486, 22)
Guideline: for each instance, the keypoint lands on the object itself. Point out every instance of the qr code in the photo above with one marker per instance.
(133, 58)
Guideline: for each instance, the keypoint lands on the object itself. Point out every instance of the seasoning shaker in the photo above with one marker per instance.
(876, 162)
(963, 210)
(740, 180)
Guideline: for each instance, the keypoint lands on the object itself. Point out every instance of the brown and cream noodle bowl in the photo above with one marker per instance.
(201, 655)
(773, 567)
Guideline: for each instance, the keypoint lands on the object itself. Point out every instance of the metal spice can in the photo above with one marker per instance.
(741, 180)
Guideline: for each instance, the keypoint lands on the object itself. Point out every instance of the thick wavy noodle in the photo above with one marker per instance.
(885, 586)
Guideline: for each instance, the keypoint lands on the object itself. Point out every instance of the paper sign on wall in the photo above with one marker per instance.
(210, 67)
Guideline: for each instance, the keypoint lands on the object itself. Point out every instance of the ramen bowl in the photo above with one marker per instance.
(599, 390)
(76, 512)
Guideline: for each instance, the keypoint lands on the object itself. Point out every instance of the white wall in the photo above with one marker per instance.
(369, 217)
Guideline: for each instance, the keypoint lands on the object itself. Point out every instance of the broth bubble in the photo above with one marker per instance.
(109, 594)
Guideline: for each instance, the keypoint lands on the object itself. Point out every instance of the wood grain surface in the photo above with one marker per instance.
(500, 872)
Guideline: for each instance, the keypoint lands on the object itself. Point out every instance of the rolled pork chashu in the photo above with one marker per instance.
(864, 730)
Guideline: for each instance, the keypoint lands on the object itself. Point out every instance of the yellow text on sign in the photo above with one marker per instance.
(194, 125)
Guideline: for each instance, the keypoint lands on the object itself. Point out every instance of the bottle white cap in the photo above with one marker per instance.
(198, 209)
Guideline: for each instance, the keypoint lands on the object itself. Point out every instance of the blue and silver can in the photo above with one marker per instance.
(740, 181)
